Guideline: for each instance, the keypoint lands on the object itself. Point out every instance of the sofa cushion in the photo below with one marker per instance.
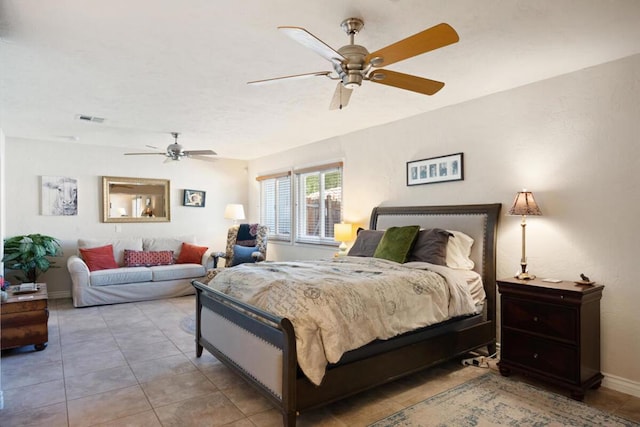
(167, 244)
(120, 276)
(100, 258)
(147, 258)
(177, 271)
(191, 254)
(119, 245)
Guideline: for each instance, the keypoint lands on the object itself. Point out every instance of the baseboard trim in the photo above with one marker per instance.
(622, 385)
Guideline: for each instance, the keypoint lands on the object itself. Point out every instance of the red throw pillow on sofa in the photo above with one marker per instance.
(147, 258)
(191, 254)
(100, 258)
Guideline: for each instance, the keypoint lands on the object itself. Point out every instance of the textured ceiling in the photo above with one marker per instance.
(153, 67)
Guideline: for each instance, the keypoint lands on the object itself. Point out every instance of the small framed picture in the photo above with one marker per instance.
(194, 198)
(435, 169)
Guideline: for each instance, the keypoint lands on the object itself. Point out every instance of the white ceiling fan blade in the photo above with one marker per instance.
(340, 98)
(295, 76)
(144, 154)
(310, 41)
(199, 153)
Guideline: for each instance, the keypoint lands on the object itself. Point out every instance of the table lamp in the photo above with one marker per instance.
(234, 212)
(342, 233)
(524, 204)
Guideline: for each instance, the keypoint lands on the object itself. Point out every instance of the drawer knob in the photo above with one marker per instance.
(535, 318)
(535, 355)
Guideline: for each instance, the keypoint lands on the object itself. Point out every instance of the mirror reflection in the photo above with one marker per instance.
(135, 199)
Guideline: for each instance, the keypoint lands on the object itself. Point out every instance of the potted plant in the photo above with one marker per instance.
(30, 253)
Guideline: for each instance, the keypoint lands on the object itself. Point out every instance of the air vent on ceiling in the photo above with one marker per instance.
(90, 118)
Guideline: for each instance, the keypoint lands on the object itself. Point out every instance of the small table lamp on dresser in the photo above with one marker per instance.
(524, 204)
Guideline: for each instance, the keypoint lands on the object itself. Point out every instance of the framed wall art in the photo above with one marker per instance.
(435, 169)
(194, 198)
(59, 196)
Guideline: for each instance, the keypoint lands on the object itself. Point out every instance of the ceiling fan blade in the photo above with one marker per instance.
(295, 76)
(310, 41)
(200, 153)
(144, 154)
(406, 81)
(341, 97)
(430, 39)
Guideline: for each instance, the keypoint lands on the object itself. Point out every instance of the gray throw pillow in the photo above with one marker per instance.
(431, 246)
(366, 243)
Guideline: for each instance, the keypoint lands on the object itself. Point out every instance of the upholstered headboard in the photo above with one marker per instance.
(480, 222)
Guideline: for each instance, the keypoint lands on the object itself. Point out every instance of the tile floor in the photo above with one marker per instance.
(133, 365)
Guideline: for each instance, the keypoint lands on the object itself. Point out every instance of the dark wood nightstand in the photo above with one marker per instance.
(551, 331)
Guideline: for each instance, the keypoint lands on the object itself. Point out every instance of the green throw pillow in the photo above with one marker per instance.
(396, 243)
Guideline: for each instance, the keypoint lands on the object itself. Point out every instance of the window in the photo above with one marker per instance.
(275, 191)
(318, 201)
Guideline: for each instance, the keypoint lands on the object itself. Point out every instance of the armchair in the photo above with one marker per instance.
(245, 243)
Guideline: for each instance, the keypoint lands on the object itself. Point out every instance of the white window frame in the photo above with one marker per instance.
(296, 195)
(275, 233)
(300, 220)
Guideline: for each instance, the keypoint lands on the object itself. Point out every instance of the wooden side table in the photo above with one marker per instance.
(23, 319)
(551, 331)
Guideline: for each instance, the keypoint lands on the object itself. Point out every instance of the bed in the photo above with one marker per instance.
(261, 347)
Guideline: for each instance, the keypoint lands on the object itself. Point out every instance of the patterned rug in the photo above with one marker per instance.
(493, 400)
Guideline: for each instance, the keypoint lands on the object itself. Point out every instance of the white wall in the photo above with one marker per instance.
(572, 140)
(2, 230)
(27, 160)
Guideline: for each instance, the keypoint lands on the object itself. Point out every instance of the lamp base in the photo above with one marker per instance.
(342, 249)
(525, 276)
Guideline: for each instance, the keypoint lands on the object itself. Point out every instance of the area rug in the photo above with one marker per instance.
(493, 400)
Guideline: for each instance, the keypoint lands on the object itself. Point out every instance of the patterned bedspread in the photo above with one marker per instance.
(344, 303)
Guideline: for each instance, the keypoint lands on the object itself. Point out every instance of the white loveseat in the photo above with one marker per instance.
(128, 284)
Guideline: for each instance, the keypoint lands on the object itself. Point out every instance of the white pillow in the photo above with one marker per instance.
(459, 250)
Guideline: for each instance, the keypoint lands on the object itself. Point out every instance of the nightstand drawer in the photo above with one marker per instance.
(545, 319)
(545, 356)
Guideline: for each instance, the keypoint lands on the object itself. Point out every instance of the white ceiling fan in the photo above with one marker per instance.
(353, 64)
(175, 152)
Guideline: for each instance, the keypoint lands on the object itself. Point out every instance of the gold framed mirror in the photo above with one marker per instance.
(135, 199)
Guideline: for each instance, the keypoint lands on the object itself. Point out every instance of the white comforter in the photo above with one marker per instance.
(341, 304)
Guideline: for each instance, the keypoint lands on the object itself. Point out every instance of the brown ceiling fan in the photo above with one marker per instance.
(176, 152)
(353, 63)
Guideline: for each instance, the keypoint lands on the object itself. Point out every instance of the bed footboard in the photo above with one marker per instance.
(257, 345)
